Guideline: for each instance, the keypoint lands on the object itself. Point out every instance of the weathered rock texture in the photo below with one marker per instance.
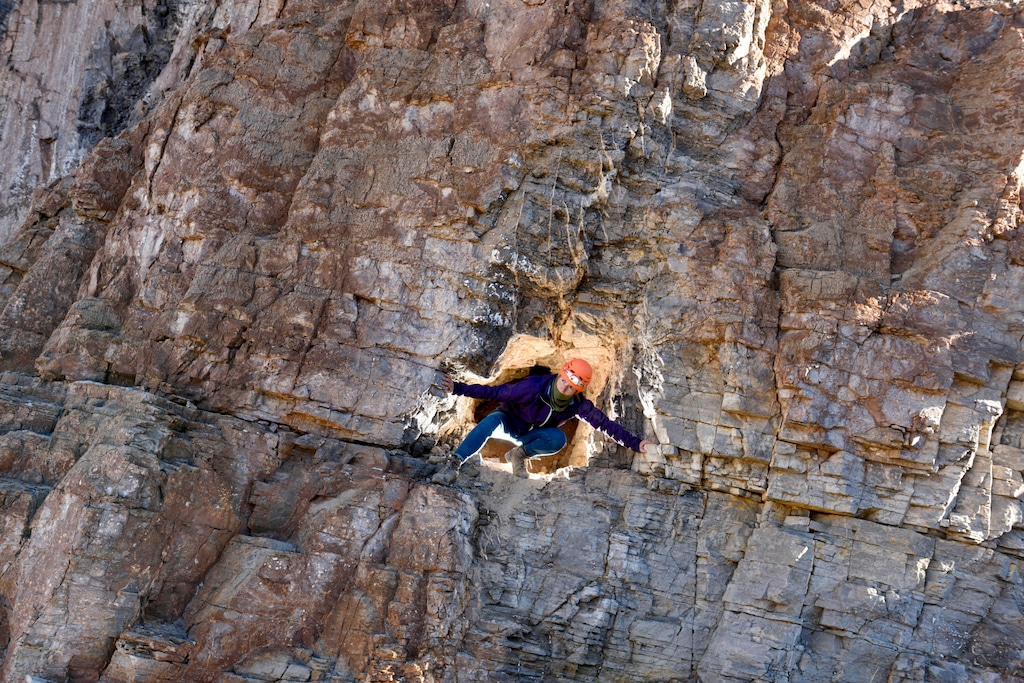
(74, 73)
(237, 239)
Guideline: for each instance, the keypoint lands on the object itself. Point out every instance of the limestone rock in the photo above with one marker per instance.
(74, 73)
(238, 240)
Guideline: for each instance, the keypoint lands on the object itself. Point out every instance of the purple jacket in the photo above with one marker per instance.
(525, 403)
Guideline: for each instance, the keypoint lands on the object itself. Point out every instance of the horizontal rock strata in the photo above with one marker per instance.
(239, 240)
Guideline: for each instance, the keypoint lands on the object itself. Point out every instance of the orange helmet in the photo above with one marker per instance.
(577, 372)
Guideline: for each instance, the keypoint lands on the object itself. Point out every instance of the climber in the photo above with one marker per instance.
(531, 411)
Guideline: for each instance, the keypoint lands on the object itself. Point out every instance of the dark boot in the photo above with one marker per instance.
(517, 457)
(468, 468)
(446, 475)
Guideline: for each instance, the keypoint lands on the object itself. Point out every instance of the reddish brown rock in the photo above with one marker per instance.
(787, 237)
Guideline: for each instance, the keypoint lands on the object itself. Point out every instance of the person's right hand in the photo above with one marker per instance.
(448, 384)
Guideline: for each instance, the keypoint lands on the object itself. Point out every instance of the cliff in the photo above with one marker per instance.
(238, 239)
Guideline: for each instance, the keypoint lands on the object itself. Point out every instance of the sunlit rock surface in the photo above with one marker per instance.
(238, 239)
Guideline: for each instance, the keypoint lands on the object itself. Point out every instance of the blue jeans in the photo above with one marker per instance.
(536, 442)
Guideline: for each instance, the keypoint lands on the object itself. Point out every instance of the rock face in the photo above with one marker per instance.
(238, 239)
(74, 73)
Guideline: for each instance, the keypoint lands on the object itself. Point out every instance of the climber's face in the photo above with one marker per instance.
(565, 388)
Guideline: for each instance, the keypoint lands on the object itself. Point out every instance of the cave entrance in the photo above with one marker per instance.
(496, 447)
(524, 356)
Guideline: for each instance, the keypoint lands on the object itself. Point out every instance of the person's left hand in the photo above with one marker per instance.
(448, 383)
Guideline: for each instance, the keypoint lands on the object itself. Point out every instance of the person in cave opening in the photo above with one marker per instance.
(531, 411)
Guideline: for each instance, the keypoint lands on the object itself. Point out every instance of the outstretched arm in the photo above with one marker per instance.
(598, 420)
(512, 391)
